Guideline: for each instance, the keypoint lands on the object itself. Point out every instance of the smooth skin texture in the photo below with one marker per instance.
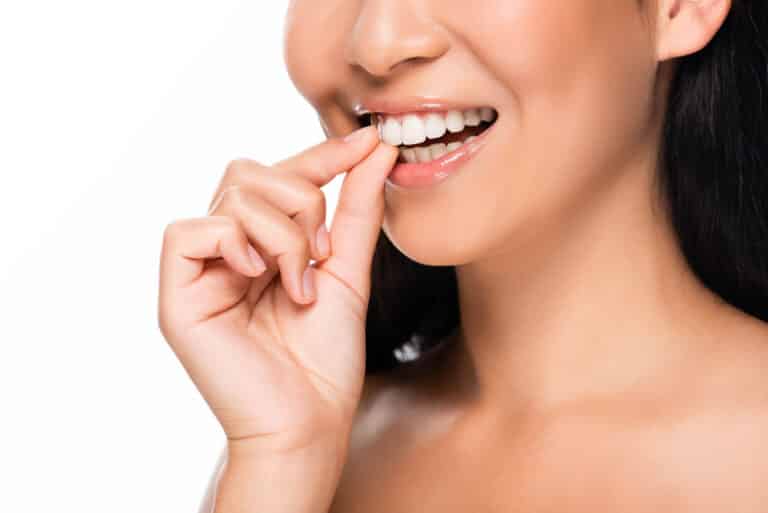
(592, 371)
(281, 372)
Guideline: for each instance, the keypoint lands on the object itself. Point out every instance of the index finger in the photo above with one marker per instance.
(322, 162)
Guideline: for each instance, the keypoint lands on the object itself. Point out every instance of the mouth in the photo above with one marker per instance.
(424, 137)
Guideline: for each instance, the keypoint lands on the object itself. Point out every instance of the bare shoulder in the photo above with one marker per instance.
(719, 460)
(718, 451)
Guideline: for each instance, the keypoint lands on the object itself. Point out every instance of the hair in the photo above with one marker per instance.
(712, 176)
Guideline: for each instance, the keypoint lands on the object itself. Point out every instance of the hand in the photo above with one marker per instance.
(277, 369)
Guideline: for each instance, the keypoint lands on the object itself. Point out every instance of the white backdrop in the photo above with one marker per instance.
(115, 119)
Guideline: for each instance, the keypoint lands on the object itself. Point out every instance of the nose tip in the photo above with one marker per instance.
(388, 33)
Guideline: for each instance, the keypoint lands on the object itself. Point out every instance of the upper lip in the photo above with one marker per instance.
(405, 104)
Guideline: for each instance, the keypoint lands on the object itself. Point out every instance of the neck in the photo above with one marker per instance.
(589, 306)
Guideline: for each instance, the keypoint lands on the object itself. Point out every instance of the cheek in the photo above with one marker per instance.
(576, 69)
(314, 55)
(574, 82)
(576, 60)
(579, 78)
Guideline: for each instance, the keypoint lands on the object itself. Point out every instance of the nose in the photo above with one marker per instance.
(387, 33)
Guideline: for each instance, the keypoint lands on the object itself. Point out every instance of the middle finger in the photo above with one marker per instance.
(295, 196)
(270, 230)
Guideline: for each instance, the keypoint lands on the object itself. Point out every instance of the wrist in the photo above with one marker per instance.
(260, 476)
(331, 444)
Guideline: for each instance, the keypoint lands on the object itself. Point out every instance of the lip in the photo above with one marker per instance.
(410, 104)
(420, 176)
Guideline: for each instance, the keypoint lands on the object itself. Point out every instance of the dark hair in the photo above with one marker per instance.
(713, 176)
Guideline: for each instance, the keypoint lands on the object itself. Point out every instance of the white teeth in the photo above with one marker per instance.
(413, 130)
(409, 155)
(438, 150)
(392, 132)
(472, 117)
(454, 121)
(434, 125)
(432, 152)
(486, 114)
(423, 154)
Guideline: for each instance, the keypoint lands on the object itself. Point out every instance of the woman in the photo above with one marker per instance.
(556, 287)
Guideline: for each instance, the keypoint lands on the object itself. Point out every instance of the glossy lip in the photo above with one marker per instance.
(420, 176)
(411, 104)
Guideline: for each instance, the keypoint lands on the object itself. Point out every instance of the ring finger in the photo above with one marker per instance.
(270, 230)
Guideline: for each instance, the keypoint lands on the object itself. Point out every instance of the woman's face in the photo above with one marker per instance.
(572, 83)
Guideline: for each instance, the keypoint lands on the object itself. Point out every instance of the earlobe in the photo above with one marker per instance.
(686, 26)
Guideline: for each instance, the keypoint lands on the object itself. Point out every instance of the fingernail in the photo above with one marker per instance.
(323, 241)
(357, 134)
(258, 263)
(309, 283)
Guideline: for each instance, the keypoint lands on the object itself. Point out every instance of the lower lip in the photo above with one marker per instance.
(419, 175)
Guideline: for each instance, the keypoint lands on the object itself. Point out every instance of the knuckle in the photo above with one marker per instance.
(315, 199)
(235, 196)
(226, 224)
(230, 195)
(236, 167)
(233, 191)
(239, 167)
(174, 229)
(231, 229)
(226, 229)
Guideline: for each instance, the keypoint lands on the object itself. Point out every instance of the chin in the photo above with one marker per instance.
(431, 240)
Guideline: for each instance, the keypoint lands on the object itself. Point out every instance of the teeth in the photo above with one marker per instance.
(432, 152)
(392, 132)
(423, 154)
(434, 125)
(438, 150)
(472, 117)
(409, 155)
(454, 121)
(413, 130)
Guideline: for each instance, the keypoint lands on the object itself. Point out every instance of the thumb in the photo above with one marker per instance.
(357, 220)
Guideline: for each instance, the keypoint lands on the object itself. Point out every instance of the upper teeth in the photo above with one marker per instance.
(412, 129)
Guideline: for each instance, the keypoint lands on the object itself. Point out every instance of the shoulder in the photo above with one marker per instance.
(717, 451)
(719, 460)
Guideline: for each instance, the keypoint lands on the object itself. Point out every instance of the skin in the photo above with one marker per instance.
(593, 371)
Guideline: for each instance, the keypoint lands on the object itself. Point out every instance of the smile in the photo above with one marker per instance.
(425, 137)
(432, 144)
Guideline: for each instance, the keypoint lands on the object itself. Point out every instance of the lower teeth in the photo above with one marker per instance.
(422, 154)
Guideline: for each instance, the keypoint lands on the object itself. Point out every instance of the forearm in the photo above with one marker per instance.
(256, 481)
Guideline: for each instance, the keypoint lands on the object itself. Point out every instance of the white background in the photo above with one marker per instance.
(115, 119)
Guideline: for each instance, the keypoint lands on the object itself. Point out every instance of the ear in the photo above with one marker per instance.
(686, 26)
